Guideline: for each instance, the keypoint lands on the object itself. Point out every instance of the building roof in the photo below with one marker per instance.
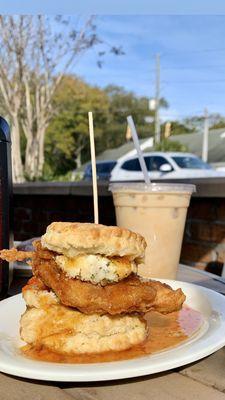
(193, 141)
(216, 145)
(114, 154)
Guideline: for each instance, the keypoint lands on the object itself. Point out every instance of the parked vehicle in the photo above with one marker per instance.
(163, 165)
(103, 170)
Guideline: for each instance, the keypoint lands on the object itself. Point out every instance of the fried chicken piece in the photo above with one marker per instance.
(127, 296)
(34, 283)
(167, 300)
(15, 255)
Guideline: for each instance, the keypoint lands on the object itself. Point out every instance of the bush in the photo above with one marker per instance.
(169, 145)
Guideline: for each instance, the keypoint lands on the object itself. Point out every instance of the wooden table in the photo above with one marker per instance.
(201, 380)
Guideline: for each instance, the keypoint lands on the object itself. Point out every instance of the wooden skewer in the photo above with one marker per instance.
(93, 166)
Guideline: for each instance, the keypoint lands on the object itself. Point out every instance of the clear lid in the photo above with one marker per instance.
(153, 187)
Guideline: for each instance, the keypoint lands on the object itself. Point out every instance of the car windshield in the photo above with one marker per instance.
(188, 162)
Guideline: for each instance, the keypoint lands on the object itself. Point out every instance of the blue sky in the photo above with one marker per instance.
(161, 7)
(192, 50)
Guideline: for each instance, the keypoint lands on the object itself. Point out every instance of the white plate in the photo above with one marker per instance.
(209, 338)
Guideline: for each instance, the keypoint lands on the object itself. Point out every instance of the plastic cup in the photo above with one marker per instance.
(158, 212)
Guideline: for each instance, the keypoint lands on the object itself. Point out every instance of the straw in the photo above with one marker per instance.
(139, 152)
(93, 166)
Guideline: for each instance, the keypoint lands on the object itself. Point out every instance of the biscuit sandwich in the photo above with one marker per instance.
(86, 295)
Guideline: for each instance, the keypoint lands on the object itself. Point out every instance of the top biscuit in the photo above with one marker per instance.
(73, 238)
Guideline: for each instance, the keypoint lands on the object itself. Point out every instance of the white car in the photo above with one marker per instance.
(163, 165)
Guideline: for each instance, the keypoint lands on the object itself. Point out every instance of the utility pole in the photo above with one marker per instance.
(205, 140)
(157, 100)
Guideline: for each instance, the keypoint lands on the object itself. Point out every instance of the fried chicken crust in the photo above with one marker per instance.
(127, 296)
(15, 255)
(34, 283)
(167, 300)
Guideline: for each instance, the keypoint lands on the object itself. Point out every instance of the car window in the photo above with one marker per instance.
(101, 168)
(105, 167)
(88, 171)
(191, 163)
(155, 163)
(131, 165)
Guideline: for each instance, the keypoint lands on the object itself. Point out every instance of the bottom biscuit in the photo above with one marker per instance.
(67, 331)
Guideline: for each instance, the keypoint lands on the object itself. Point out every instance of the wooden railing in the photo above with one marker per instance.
(38, 204)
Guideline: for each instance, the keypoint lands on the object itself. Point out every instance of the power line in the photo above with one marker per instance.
(194, 67)
(212, 50)
(195, 82)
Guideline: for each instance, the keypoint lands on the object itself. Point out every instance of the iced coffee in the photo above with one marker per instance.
(157, 212)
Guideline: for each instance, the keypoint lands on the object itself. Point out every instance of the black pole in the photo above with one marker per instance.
(5, 201)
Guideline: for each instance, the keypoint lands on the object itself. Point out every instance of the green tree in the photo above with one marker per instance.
(219, 125)
(196, 123)
(124, 103)
(178, 128)
(67, 137)
(217, 121)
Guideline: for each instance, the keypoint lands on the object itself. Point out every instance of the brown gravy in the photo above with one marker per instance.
(165, 331)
